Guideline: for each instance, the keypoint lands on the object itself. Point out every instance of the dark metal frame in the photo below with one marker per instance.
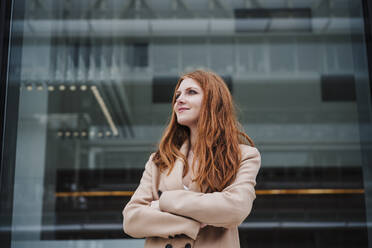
(9, 99)
(367, 12)
(365, 118)
(6, 185)
(5, 10)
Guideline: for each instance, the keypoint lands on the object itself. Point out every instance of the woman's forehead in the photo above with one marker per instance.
(187, 83)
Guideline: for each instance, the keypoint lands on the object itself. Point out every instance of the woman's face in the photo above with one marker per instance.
(189, 96)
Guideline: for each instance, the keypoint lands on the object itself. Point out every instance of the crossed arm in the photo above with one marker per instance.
(226, 209)
(141, 220)
(182, 211)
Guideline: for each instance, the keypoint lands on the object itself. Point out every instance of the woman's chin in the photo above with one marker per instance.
(183, 123)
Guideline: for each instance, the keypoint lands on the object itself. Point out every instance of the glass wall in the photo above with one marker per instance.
(96, 79)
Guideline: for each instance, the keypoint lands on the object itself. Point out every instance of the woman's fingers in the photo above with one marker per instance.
(155, 204)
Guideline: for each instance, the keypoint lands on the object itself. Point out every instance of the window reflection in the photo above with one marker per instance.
(95, 87)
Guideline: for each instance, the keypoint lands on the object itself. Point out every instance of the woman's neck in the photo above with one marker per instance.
(193, 136)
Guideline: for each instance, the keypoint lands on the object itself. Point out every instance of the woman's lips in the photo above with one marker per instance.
(180, 110)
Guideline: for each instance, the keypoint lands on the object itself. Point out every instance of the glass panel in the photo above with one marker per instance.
(96, 80)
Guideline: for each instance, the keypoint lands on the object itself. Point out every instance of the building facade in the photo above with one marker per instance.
(85, 96)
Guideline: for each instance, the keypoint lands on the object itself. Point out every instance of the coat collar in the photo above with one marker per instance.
(174, 180)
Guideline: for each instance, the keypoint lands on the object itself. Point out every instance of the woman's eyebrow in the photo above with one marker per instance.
(188, 89)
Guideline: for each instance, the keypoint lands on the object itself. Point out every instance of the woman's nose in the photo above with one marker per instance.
(180, 98)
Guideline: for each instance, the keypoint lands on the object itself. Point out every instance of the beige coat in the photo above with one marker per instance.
(177, 223)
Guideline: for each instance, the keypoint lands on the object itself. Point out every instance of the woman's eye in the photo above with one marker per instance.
(192, 91)
(177, 96)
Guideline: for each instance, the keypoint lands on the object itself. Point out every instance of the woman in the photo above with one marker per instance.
(199, 185)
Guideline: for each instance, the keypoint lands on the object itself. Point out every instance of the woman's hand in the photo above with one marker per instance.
(155, 204)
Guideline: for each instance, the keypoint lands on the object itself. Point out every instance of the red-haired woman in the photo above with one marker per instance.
(199, 185)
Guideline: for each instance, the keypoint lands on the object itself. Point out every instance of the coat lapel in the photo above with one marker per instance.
(174, 180)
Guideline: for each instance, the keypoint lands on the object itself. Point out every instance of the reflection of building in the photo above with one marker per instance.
(94, 81)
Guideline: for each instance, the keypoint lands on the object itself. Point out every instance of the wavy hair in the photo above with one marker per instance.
(219, 135)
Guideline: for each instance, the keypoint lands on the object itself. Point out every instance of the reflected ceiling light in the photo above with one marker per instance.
(39, 87)
(60, 134)
(100, 134)
(62, 87)
(83, 87)
(67, 134)
(76, 134)
(91, 133)
(104, 109)
(51, 88)
(72, 87)
(83, 134)
(29, 87)
(108, 133)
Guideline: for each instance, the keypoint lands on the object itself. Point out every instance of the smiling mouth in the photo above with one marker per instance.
(182, 109)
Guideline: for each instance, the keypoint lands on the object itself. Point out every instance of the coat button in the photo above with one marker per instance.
(168, 246)
(188, 245)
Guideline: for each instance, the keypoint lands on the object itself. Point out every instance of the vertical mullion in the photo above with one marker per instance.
(10, 55)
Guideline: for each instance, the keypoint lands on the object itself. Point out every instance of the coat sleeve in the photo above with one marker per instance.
(226, 209)
(141, 220)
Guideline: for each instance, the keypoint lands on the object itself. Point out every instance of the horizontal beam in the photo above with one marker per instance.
(178, 27)
(258, 192)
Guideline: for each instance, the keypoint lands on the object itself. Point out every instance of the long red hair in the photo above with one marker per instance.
(219, 135)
